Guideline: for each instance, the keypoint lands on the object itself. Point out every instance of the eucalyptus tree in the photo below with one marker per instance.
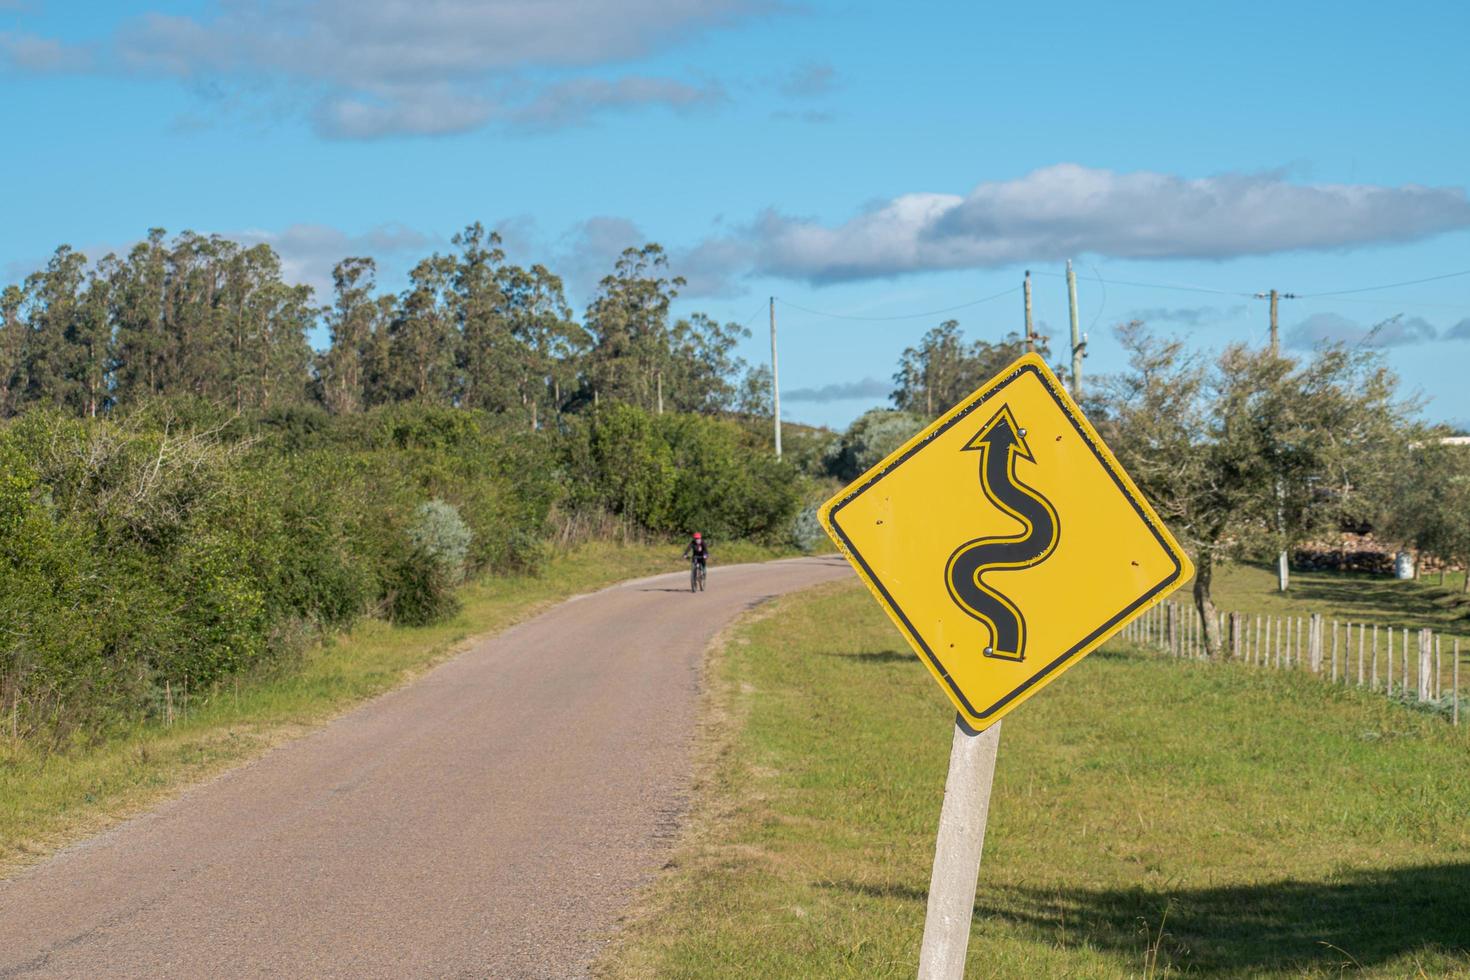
(54, 298)
(351, 321)
(90, 347)
(143, 346)
(377, 354)
(201, 334)
(422, 339)
(489, 360)
(944, 368)
(551, 345)
(12, 349)
(629, 322)
(705, 373)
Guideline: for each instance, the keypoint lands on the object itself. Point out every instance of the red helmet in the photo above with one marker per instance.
(696, 535)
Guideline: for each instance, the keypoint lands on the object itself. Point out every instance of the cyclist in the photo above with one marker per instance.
(697, 551)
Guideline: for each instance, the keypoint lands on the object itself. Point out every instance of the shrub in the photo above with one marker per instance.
(185, 542)
(443, 537)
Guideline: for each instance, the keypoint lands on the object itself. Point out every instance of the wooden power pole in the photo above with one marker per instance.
(1283, 560)
(1079, 340)
(1030, 334)
(1275, 324)
(1275, 298)
(775, 382)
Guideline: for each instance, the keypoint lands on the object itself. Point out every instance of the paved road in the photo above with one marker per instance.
(489, 820)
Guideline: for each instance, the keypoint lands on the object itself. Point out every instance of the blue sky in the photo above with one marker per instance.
(870, 160)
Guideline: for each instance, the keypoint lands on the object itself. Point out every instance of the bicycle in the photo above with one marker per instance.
(697, 574)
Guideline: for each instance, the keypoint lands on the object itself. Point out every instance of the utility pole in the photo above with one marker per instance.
(1079, 340)
(1275, 297)
(1275, 325)
(1030, 335)
(1283, 560)
(775, 382)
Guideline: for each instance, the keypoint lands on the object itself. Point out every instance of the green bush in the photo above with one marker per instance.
(184, 542)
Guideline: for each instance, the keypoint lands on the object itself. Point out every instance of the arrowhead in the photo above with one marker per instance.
(1000, 432)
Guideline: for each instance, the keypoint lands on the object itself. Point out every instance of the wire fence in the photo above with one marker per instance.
(1415, 666)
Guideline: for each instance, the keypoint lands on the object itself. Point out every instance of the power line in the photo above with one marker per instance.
(905, 316)
(1154, 285)
(1390, 285)
(1228, 292)
(1098, 278)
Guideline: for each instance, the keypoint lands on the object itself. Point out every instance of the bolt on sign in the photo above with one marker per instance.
(1005, 541)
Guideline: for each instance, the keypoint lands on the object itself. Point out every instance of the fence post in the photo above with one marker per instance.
(1314, 644)
(1439, 666)
(1334, 651)
(1404, 663)
(1234, 636)
(1375, 657)
(1389, 661)
(1362, 638)
(1423, 677)
(1455, 675)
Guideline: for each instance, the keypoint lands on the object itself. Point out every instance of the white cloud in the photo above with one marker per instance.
(41, 55)
(588, 251)
(1329, 328)
(1068, 210)
(1189, 316)
(867, 388)
(371, 68)
(579, 99)
(309, 252)
(1460, 331)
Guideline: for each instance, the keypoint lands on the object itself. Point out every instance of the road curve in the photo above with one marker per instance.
(489, 820)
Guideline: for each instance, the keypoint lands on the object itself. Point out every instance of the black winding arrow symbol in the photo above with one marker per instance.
(1000, 443)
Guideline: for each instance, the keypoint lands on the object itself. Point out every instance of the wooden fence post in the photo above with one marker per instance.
(1390, 661)
(1423, 676)
(1404, 663)
(1438, 667)
(1362, 638)
(1375, 657)
(1334, 651)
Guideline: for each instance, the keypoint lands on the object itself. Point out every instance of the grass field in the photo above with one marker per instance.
(47, 801)
(1354, 597)
(1151, 817)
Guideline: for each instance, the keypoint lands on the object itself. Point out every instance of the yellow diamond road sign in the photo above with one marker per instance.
(1005, 541)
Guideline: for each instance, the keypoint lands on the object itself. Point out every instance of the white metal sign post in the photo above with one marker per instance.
(957, 851)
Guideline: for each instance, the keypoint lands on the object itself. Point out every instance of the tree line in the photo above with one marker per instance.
(207, 317)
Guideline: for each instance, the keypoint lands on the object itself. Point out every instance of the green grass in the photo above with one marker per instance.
(1346, 596)
(1150, 816)
(49, 800)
